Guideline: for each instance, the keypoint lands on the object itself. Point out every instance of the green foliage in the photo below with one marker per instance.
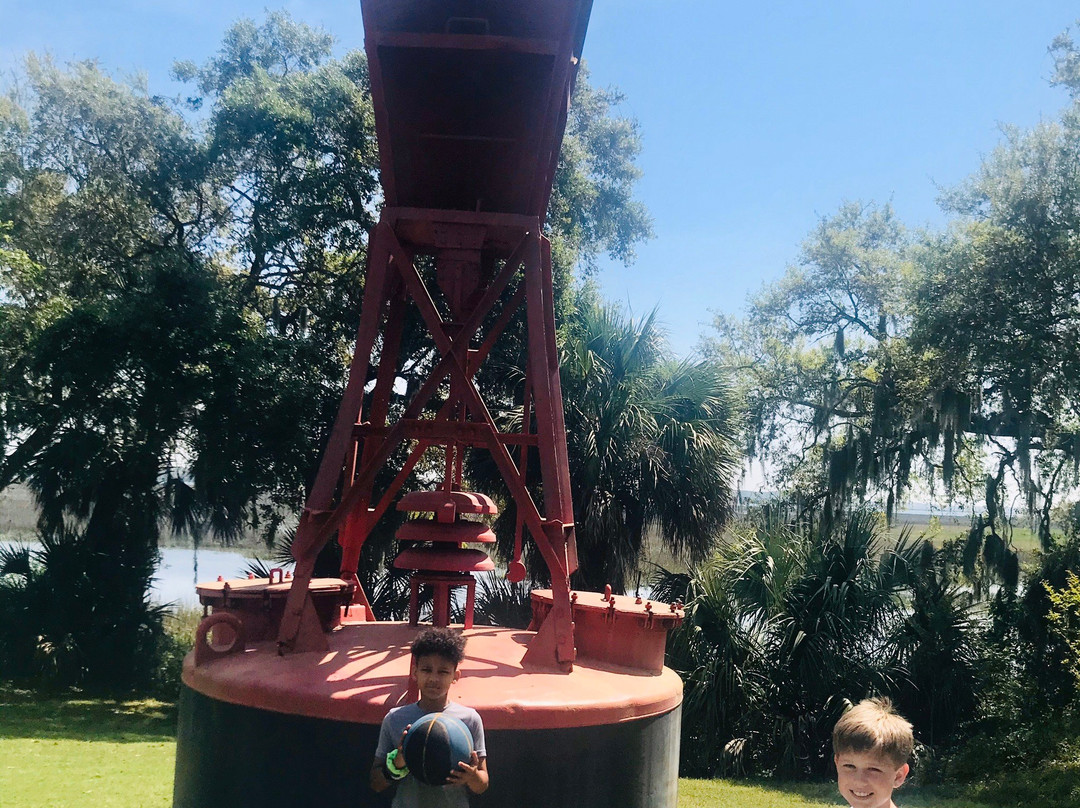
(277, 47)
(1054, 785)
(651, 444)
(939, 647)
(784, 627)
(1020, 750)
(145, 385)
(117, 332)
(1022, 734)
(1040, 648)
(789, 621)
(73, 616)
(500, 602)
(179, 626)
(820, 360)
(885, 355)
(1063, 619)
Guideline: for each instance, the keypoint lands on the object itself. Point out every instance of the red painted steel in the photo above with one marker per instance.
(447, 504)
(442, 584)
(365, 672)
(260, 602)
(616, 629)
(459, 532)
(470, 105)
(441, 559)
(471, 99)
(208, 647)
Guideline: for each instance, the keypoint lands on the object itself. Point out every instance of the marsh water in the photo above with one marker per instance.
(180, 568)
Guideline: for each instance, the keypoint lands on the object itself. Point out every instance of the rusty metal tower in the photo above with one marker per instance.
(471, 99)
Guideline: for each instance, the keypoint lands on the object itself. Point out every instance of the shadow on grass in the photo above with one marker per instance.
(28, 715)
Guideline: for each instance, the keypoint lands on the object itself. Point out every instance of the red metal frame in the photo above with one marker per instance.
(470, 113)
(367, 446)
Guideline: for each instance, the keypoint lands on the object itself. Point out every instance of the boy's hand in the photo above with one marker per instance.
(474, 776)
(380, 778)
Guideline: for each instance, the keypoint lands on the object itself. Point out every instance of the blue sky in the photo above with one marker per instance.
(757, 119)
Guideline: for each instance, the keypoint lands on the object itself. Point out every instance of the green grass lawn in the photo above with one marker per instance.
(70, 753)
(64, 753)
(727, 794)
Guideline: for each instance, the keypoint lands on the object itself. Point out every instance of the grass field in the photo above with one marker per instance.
(939, 531)
(73, 753)
(727, 794)
(66, 753)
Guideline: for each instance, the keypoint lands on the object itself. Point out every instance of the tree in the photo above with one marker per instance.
(651, 444)
(291, 150)
(995, 310)
(148, 380)
(248, 206)
(952, 356)
(818, 355)
(939, 646)
(108, 318)
(888, 356)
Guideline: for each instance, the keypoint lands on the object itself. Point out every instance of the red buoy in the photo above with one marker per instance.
(470, 101)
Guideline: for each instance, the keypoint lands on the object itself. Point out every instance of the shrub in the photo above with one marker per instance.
(178, 638)
(71, 616)
(784, 627)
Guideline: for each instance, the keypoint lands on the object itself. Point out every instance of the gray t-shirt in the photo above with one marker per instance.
(411, 793)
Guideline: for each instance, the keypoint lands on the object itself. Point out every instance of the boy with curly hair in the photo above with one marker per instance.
(436, 657)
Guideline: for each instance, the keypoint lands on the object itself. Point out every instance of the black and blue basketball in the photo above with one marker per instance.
(434, 746)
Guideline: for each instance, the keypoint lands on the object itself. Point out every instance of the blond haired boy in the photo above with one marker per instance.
(872, 745)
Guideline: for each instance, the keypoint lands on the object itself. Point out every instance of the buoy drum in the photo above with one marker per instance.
(434, 746)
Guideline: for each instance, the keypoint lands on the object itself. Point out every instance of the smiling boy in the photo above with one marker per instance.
(872, 745)
(436, 657)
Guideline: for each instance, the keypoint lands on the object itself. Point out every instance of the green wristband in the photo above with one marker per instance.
(395, 772)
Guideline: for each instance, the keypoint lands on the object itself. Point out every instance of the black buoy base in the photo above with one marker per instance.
(229, 754)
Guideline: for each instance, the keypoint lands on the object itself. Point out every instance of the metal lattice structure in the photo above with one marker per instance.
(471, 99)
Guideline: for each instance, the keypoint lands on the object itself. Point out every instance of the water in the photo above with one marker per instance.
(181, 568)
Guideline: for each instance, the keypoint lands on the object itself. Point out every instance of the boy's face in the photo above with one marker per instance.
(434, 674)
(867, 779)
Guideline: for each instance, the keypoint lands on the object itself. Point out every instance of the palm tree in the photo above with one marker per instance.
(940, 647)
(61, 624)
(782, 628)
(720, 652)
(652, 444)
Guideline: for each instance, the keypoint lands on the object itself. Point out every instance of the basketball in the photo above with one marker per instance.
(434, 746)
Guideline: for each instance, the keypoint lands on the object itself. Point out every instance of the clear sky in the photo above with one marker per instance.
(757, 118)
